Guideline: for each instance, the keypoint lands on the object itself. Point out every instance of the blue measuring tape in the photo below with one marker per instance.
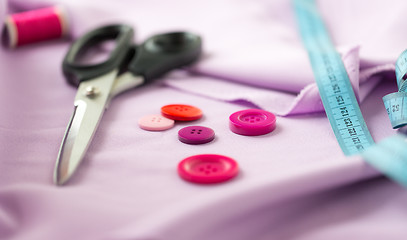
(396, 103)
(390, 157)
(341, 106)
(335, 89)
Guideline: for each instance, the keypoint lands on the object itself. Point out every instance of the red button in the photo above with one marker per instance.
(252, 122)
(181, 112)
(208, 168)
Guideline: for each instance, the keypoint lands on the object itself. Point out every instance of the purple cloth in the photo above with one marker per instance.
(295, 183)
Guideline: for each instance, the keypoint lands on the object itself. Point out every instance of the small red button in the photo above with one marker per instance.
(208, 168)
(181, 112)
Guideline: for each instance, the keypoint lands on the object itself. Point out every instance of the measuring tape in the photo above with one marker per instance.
(396, 103)
(335, 89)
(390, 155)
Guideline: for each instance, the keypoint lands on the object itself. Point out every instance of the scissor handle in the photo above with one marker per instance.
(162, 53)
(76, 72)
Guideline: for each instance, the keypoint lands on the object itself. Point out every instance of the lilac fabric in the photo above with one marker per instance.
(295, 183)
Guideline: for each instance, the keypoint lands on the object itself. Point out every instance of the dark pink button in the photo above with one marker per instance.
(252, 122)
(208, 168)
(196, 135)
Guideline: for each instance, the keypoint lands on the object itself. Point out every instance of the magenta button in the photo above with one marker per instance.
(252, 122)
(208, 168)
(196, 135)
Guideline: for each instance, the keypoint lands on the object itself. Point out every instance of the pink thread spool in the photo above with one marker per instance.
(35, 26)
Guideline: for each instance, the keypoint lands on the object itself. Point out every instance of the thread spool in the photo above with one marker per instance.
(35, 26)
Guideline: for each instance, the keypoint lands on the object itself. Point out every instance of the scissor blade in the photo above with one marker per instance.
(90, 104)
(125, 82)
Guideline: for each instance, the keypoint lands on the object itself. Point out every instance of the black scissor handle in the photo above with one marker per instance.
(76, 72)
(164, 52)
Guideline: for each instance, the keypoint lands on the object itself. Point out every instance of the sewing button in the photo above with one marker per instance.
(181, 112)
(155, 123)
(208, 168)
(252, 122)
(196, 135)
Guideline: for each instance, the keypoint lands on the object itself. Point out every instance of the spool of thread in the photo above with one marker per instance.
(35, 26)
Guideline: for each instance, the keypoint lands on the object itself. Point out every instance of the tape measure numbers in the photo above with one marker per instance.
(390, 155)
(396, 103)
(335, 89)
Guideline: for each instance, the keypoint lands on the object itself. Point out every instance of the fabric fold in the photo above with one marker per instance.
(307, 100)
(127, 186)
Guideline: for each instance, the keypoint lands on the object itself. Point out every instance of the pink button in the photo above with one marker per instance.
(252, 122)
(208, 168)
(196, 135)
(155, 123)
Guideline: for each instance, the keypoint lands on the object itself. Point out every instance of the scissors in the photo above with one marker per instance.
(126, 67)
